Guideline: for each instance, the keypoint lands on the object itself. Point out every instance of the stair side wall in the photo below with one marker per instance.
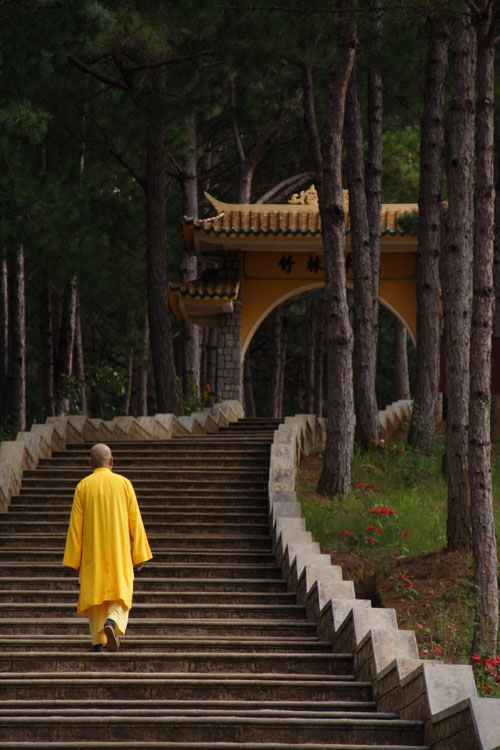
(443, 696)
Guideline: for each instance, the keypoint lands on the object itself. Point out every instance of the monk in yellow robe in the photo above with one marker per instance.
(106, 540)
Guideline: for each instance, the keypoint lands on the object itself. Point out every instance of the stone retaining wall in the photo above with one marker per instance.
(29, 447)
(443, 696)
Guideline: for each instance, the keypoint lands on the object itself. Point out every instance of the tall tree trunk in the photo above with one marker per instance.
(429, 238)
(365, 351)
(319, 358)
(335, 477)
(162, 351)
(191, 333)
(152, 407)
(79, 359)
(495, 398)
(483, 523)
(456, 282)
(279, 343)
(142, 371)
(401, 361)
(127, 396)
(374, 157)
(46, 349)
(4, 338)
(309, 358)
(16, 370)
(248, 388)
(66, 346)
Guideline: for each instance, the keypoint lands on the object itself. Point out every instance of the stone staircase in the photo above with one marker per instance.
(218, 654)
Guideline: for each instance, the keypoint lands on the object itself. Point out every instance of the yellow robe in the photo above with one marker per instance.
(106, 537)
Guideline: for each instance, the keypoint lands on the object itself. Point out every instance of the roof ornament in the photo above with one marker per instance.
(307, 197)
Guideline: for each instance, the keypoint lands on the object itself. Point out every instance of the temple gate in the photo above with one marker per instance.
(256, 256)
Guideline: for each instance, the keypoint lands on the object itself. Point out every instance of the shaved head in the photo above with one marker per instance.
(100, 456)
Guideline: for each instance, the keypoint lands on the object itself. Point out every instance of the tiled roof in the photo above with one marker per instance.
(207, 290)
(284, 222)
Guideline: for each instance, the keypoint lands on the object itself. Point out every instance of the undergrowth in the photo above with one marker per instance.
(396, 508)
(397, 511)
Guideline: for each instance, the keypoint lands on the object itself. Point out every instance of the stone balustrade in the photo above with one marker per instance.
(443, 696)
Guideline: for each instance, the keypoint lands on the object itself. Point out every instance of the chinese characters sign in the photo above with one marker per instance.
(284, 265)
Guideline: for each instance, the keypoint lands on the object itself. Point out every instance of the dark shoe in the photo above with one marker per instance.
(113, 643)
(98, 648)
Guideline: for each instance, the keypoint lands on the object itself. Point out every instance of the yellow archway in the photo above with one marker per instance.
(259, 317)
(259, 255)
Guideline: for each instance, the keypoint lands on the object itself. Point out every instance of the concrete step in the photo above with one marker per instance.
(27, 514)
(199, 480)
(193, 443)
(231, 460)
(172, 488)
(134, 745)
(212, 728)
(166, 611)
(49, 527)
(182, 500)
(188, 686)
(42, 624)
(202, 585)
(222, 644)
(149, 474)
(214, 706)
(287, 663)
(207, 568)
(174, 555)
(144, 596)
(157, 542)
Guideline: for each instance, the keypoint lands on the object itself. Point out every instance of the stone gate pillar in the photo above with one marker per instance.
(229, 371)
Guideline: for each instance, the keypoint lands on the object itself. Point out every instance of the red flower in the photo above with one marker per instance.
(347, 533)
(207, 387)
(370, 539)
(404, 533)
(475, 658)
(383, 510)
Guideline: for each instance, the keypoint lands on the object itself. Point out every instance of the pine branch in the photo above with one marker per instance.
(119, 156)
(290, 185)
(234, 123)
(98, 74)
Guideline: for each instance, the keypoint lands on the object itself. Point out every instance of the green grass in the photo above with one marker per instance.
(409, 483)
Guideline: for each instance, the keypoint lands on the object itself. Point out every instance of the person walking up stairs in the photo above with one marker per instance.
(218, 654)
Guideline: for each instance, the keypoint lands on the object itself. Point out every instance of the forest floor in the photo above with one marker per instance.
(432, 592)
